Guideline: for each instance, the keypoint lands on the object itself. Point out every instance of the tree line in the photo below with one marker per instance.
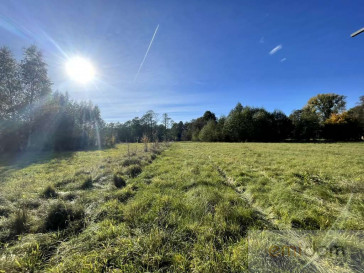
(33, 117)
(324, 117)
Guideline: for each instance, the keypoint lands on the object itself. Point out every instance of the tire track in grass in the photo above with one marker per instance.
(293, 236)
(271, 222)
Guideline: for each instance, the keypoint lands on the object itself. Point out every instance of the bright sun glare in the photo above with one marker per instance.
(80, 70)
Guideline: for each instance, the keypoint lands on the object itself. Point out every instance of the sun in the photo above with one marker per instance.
(80, 70)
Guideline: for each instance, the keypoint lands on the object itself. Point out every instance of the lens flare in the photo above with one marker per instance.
(80, 70)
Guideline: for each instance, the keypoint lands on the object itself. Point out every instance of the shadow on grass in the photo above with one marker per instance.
(17, 161)
(12, 162)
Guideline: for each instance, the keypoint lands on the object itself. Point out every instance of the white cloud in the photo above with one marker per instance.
(283, 60)
(274, 50)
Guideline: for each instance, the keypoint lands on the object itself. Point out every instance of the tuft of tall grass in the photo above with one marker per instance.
(133, 170)
(87, 183)
(119, 181)
(19, 222)
(60, 215)
(131, 161)
(49, 192)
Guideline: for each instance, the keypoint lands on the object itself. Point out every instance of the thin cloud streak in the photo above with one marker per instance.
(283, 60)
(146, 53)
(274, 50)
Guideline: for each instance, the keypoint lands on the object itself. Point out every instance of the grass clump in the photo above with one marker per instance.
(119, 181)
(133, 170)
(49, 192)
(19, 222)
(125, 194)
(70, 196)
(131, 161)
(156, 151)
(4, 211)
(307, 223)
(60, 215)
(87, 184)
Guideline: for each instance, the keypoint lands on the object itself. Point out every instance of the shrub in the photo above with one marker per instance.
(60, 215)
(131, 161)
(49, 192)
(119, 181)
(19, 222)
(87, 184)
(133, 170)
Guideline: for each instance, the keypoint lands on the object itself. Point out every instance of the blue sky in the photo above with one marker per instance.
(206, 55)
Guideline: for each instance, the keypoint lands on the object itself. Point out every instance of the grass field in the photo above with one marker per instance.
(187, 207)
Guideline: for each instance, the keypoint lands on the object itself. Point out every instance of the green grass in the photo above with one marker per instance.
(188, 209)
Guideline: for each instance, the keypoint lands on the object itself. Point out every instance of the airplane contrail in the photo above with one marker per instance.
(146, 53)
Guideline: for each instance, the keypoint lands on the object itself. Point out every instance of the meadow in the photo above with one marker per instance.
(181, 207)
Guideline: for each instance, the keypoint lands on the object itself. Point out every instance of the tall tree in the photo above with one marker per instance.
(326, 104)
(35, 82)
(208, 132)
(306, 124)
(208, 115)
(150, 119)
(177, 131)
(282, 126)
(357, 113)
(166, 121)
(234, 124)
(10, 86)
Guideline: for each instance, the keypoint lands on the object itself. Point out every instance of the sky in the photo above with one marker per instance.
(205, 55)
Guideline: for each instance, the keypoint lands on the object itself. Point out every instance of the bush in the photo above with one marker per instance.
(133, 170)
(60, 215)
(87, 184)
(119, 181)
(50, 192)
(131, 161)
